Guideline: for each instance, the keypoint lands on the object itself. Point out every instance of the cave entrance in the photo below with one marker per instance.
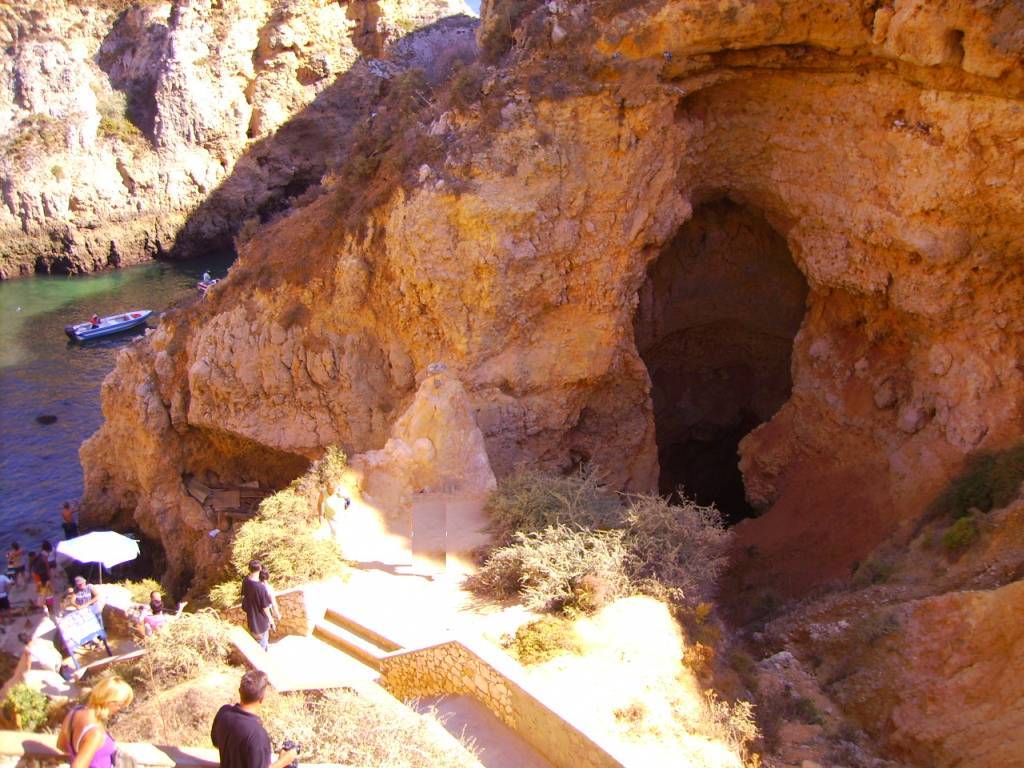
(715, 326)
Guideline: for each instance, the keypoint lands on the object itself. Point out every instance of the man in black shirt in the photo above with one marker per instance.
(238, 733)
(258, 605)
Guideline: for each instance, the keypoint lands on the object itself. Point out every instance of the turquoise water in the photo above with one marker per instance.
(43, 373)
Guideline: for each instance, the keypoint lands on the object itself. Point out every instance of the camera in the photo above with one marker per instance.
(289, 745)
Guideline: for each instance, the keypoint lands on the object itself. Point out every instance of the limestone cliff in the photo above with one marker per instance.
(119, 119)
(657, 229)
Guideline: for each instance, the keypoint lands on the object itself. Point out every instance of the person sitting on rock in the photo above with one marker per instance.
(86, 596)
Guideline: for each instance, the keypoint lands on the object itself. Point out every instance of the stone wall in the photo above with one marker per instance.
(301, 608)
(474, 669)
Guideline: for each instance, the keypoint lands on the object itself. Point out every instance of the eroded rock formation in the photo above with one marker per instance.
(830, 191)
(118, 120)
(885, 172)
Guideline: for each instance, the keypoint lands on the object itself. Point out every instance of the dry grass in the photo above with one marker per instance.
(555, 531)
(340, 726)
(681, 547)
(531, 501)
(183, 649)
(141, 590)
(548, 568)
(335, 726)
(630, 684)
(182, 714)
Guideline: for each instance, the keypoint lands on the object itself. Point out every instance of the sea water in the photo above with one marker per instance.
(43, 373)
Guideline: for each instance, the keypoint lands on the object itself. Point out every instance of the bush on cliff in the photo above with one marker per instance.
(556, 534)
(282, 537)
(531, 501)
(679, 549)
(542, 640)
(329, 469)
(960, 535)
(25, 708)
(989, 481)
(548, 568)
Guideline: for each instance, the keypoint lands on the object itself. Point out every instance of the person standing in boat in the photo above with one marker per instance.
(207, 277)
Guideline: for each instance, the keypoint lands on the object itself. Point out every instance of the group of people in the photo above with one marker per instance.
(39, 566)
(22, 565)
(237, 731)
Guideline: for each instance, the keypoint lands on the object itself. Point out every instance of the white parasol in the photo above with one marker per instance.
(105, 547)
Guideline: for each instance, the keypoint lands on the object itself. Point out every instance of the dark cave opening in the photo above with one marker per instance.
(715, 325)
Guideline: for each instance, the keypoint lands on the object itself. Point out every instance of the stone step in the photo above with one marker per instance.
(387, 645)
(358, 647)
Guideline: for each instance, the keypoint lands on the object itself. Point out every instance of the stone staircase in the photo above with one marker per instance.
(358, 641)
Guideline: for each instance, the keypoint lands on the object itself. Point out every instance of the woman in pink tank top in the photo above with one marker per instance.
(83, 734)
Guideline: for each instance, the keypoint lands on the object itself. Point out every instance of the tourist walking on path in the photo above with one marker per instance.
(83, 734)
(238, 733)
(67, 514)
(16, 563)
(275, 609)
(258, 605)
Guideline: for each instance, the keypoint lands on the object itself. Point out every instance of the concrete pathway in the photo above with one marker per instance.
(305, 663)
(416, 610)
(498, 746)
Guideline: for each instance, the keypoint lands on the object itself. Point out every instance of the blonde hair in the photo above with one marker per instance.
(107, 693)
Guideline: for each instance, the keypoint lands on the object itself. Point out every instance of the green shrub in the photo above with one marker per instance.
(807, 711)
(531, 501)
(874, 570)
(120, 129)
(26, 707)
(681, 547)
(542, 640)
(466, 85)
(141, 590)
(331, 466)
(226, 595)
(547, 568)
(960, 535)
(183, 649)
(281, 537)
(989, 481)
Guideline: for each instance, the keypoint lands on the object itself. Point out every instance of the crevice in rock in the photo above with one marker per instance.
(715, 325)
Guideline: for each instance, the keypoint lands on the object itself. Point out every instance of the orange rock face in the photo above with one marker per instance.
(850, 277)
(784, 234)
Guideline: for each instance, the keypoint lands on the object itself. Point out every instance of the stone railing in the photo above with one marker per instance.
(476, 669)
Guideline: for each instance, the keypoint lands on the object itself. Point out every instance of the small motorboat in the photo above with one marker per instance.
(108, 325)
(205, 285)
